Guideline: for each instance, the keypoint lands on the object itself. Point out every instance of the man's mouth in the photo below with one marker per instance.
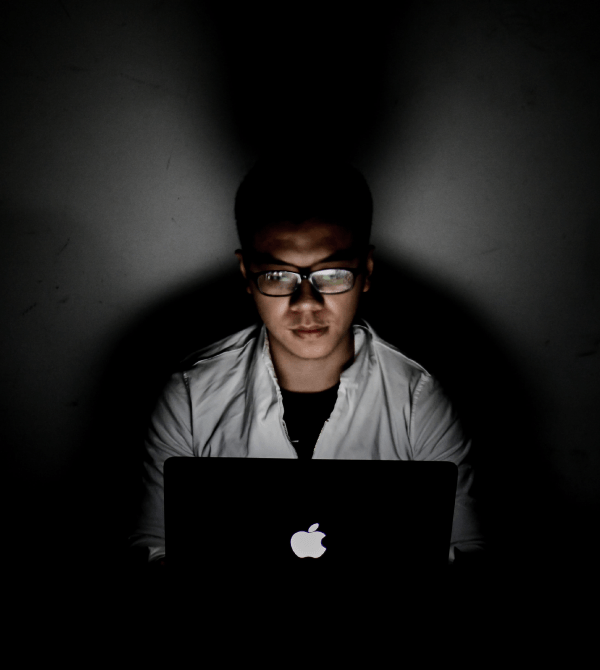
(310, 331)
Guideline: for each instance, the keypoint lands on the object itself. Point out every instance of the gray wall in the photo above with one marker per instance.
(125, 130)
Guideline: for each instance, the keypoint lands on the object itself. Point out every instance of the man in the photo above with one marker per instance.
(311, 380)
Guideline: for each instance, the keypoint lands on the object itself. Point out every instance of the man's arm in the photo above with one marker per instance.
(437, 435)
(169, 434)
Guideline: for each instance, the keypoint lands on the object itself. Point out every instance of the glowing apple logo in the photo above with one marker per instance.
(308, 544)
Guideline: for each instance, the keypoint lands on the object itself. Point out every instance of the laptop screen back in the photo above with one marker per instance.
(286, 523)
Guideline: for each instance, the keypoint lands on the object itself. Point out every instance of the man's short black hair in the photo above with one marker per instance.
(297, 189)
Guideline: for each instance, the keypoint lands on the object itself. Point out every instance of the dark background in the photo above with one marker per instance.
(126, 128)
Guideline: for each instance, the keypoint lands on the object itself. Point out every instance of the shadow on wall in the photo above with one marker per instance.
(517, 491)
(420, 319)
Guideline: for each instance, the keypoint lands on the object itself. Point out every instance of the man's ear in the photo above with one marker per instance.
(368, 268)
(240, 257)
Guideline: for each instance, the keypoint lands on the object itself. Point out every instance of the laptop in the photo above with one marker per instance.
(277, 529)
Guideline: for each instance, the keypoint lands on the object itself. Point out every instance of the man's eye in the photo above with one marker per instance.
(335, 277)
(277, 277)
(334, 280)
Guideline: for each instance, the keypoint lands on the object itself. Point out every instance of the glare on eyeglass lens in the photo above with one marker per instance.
(284, 282)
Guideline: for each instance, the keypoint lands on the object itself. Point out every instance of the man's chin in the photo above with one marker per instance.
(309, 345)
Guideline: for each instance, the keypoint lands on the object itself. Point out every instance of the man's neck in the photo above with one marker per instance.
(311, 375)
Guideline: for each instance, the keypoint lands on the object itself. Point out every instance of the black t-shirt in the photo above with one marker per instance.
(304, 415)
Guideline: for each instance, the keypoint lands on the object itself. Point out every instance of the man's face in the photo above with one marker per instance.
(307, 324)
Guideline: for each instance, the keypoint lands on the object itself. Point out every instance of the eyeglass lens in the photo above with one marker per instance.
(325, 281)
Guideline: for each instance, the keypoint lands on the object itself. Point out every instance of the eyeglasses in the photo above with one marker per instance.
(284, 282)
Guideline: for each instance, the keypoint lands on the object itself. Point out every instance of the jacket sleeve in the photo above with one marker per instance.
(437, 435)
(169, 434)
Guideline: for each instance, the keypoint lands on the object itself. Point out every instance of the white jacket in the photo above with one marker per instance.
(228, 403)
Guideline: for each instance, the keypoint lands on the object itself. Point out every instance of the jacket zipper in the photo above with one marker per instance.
(318, 438)
(281, 411)
(288, 435)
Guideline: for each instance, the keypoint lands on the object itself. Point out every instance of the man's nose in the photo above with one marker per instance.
(306, 296)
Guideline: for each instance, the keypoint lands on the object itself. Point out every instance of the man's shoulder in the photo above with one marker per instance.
(390, 357)
(231, 346)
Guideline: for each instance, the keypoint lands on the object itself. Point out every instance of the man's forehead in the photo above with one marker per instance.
(327, 241)
(267, 258)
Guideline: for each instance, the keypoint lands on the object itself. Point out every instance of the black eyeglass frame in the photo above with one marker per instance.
(304, 273)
